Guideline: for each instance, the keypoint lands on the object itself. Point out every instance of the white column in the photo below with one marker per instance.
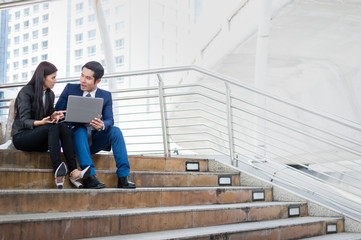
(261, 67)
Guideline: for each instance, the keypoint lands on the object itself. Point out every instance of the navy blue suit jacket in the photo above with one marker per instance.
(74, 89)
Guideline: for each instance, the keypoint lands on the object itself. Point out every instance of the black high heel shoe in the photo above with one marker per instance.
(60, 175)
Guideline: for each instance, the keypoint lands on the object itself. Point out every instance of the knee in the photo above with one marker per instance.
(115, 132)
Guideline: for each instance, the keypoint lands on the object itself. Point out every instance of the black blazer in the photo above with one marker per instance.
(25, 112)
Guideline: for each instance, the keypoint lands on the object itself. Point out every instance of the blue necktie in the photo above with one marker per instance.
(89, 128)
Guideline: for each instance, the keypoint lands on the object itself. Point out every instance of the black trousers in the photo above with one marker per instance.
(48, 137)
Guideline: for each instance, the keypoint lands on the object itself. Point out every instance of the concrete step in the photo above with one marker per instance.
(38, 160)
(128, 221)
(337, 236)
(285, 229)
(54, 200)
(25, 178)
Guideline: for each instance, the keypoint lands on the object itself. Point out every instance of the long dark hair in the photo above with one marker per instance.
(37, 81)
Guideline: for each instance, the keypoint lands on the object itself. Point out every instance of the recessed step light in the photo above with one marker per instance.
(224, 180)
(293, 211)
(192, 166)
(331, 228)
(258, 195)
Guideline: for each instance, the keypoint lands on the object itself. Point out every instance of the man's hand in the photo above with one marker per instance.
(57, 115)
(97, 124)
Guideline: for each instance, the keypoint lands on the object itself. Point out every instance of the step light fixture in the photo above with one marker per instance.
(258, 195)
(192, 166)
(331, 228)
(294, 211)
(224, 180)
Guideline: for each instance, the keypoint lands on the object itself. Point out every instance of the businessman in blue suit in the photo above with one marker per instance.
(99, 134)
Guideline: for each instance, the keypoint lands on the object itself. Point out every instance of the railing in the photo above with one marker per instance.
(190, 111)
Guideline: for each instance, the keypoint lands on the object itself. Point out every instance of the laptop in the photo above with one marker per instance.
(83, 109)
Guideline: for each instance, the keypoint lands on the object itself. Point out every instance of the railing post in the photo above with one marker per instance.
(163, 117)
(230, 126)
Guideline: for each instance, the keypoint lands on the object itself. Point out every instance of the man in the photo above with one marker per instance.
(101, 132)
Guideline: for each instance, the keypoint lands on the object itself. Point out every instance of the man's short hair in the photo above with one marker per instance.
(96, 67)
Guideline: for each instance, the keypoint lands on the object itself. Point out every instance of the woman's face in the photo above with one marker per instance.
(49, 81)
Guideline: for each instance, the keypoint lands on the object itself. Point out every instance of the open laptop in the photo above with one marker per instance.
(83, 109)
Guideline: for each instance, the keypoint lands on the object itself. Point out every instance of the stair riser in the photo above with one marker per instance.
(37, 160)
(101, 200)
(31, 180)
(110, 226)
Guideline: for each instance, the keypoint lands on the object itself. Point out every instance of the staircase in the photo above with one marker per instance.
(169, 202)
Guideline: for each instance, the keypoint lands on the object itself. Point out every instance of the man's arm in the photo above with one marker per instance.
(108, 118)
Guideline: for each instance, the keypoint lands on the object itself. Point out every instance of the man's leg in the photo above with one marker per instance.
(81, 148)
(82, 151)
(113, 137)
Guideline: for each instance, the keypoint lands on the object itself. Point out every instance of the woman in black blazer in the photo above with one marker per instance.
(36, 125)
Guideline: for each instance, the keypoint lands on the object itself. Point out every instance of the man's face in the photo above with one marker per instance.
(87, 82)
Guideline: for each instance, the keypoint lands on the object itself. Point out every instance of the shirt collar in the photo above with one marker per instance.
(91, 93)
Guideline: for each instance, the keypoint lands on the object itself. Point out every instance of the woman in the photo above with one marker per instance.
(36, 125)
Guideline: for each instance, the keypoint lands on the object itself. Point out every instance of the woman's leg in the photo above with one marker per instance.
(54, 145)
(67, 144)
(35, 139)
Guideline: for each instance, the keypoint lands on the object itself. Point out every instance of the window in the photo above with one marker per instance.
(34, 61)
(91, 34)
(36, 8)
(35, 34)
(45, 31)
(46, 6)
(24, 76)
(15, 77)
(25, 50)
(26, 11)
(78, 53)
(44, 44)
(91, 51)
(91, 18)
(119, 61)
(26, 24)
(44, 57)
(79, 7)
(79, 38)
(16, 65)
(16, 52)
(119, 26)
(120, 80)
(17, 27)
(119, 43)
(78, 22)
(35, 47)
(26, 37)
(17, 15)
(120, 10)
(16, 40)
(77, 69)
(46, 18)
(25, 62)
(35, 21)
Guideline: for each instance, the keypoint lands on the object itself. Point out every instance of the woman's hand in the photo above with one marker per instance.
(44, 121)
(57, 115)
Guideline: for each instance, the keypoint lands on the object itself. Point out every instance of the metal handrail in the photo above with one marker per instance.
(207, 133)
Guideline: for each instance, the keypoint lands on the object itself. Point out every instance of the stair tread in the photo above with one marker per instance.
(135, 211)
(227, 228)
(337, 236)
(138, 189)
(112, 171)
